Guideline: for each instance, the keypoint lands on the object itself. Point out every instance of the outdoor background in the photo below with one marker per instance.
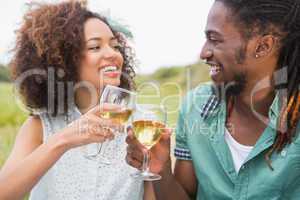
(168, 36)
(172, 82)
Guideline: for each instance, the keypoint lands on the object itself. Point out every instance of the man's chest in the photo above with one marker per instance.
(245, 130)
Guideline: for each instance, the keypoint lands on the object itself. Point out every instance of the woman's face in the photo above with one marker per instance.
(102, 61)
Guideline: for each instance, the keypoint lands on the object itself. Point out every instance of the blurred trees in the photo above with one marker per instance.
(186, 77)
(4, 74)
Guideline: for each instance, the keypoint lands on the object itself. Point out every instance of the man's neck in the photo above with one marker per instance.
(260, 101)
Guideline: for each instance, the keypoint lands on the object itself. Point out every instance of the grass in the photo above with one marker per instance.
(11, 117)
(166, 86)
(11, 111)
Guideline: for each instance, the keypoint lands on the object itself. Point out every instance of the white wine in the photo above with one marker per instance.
(119, 116)
(148, 132)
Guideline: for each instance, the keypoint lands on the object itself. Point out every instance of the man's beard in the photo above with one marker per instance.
(238, 83)
(230, 89)
(237, 86)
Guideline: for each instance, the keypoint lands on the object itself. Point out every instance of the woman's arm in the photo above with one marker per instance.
(29, 160)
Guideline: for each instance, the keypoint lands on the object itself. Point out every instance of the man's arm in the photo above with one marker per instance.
(181, 185)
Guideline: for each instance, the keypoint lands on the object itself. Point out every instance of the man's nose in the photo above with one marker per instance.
(206, 53)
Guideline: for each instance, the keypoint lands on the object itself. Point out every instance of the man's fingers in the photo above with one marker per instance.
(134, 148)
(133, 162)
(137, 155)
(135, 152)
(166, 137)
(130, 136)
(134, 143)
(168, 131)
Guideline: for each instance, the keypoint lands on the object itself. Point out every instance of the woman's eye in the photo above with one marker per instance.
(117, 47)
(94, 48)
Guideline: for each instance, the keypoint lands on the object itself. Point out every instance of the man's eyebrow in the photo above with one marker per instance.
(212, 32)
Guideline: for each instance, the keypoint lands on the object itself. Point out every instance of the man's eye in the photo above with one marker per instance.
(212, 39)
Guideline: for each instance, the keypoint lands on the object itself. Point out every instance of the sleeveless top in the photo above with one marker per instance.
(74, 177)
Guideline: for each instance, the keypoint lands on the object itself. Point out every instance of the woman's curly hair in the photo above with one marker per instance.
(52, 37)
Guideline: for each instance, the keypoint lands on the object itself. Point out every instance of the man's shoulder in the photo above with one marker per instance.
(203, 89)
(198, 97)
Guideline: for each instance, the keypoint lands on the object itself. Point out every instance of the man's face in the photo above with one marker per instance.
(225, 49)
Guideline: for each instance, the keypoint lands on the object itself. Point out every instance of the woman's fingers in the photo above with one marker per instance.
(90, 125)
(99, 109)
(96, 110)
(110, 107)
(105, 123)
(108, 123)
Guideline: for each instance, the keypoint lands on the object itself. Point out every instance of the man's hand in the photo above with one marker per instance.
(159, 153)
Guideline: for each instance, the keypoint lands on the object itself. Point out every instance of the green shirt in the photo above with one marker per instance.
(200, 138)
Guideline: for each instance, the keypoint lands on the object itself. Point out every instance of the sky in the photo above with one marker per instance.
(166, 32)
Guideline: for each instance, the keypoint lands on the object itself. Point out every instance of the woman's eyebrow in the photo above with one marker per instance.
(99, 39)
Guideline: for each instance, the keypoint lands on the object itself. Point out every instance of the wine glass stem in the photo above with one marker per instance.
(146, 167)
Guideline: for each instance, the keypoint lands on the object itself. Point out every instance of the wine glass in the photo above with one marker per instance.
(119, 104)
(148, 123)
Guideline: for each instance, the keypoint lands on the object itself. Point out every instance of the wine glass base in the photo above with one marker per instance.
(146, 176)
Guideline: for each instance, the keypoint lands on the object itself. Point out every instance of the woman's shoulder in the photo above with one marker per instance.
(29, 137)
(32, 128)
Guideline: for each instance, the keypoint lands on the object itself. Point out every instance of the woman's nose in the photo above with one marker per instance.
(109, 53)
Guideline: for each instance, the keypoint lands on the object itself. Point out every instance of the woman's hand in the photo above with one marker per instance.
(89, 128)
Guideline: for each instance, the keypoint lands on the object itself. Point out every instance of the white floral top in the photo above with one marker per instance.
(74, 177)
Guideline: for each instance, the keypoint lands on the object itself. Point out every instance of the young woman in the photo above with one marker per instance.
(64, 57)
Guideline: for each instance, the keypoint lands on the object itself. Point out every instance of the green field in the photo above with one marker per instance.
(166, 86)
(11, 117)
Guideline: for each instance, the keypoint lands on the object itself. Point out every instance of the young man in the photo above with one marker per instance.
(237, 138)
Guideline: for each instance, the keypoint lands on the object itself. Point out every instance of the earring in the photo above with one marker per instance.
(256, 55)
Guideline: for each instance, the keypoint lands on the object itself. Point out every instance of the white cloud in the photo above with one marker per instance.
(168, 32)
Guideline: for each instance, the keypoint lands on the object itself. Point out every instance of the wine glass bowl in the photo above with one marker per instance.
(117, 105)
(148, 124)
(147, 132)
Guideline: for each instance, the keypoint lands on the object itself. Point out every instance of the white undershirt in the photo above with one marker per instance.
(239, 152)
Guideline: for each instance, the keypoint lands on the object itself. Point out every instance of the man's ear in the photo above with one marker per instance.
(265, 46)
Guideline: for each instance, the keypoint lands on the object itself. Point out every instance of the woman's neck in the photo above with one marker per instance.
(85, 100)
